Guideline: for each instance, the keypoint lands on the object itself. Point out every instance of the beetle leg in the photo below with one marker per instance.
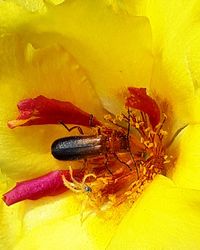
(91, 120)
(122, 162)
(106, 164)
(85, 163)
(129, 146)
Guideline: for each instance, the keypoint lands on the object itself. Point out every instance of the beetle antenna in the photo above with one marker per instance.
(129, 146)
(70, 129)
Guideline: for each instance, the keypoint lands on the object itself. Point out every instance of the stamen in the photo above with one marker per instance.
(145, 152)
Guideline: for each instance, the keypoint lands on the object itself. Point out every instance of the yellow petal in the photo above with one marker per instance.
(36, 5)
(68, 233)
(114, 48)
(11, 15)
(165, 217)
(31, 5)
(187, 170)
(55, 2)
(64, 234)
(172, 71)
(175, 34)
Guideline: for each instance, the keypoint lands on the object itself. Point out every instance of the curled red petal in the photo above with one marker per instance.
(139, 99)
(42, 110)
(47, 185)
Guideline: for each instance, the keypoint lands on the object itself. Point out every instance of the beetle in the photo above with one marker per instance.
(81, 147)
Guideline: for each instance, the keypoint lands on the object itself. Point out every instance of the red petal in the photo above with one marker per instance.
(139, 99)
(42, 110)
(47, 185)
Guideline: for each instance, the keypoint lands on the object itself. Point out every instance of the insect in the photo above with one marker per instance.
(81, 147)
(72, 148)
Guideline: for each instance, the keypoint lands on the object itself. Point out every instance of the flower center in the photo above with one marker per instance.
(135, 155)
(121, 156)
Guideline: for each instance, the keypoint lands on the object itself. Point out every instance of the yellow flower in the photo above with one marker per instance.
(88, 52)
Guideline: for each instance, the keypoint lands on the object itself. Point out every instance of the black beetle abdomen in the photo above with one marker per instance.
(78, 147)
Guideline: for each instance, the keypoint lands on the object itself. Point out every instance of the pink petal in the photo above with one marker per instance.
(47, 185)
(42, 110)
